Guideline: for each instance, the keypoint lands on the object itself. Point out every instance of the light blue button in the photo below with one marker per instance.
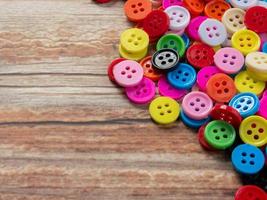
(191, 122)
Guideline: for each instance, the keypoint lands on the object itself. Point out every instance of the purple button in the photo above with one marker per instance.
(193, 27)
(165, 89)
(204, 75)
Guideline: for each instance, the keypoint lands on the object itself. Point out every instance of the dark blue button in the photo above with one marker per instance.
(247, 159)
(182, 77)
(191, 122)
(246, 104)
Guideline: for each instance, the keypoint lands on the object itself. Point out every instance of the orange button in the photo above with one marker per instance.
(149, 71)
(216, 8)
(195, 7)
(137, 10)
(221, 88)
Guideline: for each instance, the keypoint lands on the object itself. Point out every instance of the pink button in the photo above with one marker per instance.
(263, 107)
(193, 27)
(265, 93)
(142, 93)
(197, 105)
(168, 3)
(204, 75)
(128, 73)
(229, 60)
(165, 89)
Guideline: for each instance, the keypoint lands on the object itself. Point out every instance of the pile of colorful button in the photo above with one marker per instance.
(211, 58)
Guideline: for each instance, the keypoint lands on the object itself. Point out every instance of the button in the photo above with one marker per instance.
(172, 41)
(228, 41)
(204, 75)
(246, 104)
(128, 73)
(260, 76)
(142, 93)
(186, 40)
(195, 7)
(111, 66)
(247, 159)
(264, 47)
(149, 71)
(255, 19)
(168, 3)
(250, 192)
(165, 59)
(233, 20)
(166, 89)
(197, 105)
(182, 77)
(200, 55)
(257, 61)
(221, 88)
(164, 110)
(212, 32)
(156, 3)
(246, 41)
(134, 40)
(201, 139)
(226, 113)
(193, 27)
(229, 60)
(179, 17)
(219, 134)
(263, 107)
(156, 23)
(192, 123)
(245, 83)
(103, 1)
(131, 56)
(137, 10)
(216, 8)
(244, 4)
(253, 130)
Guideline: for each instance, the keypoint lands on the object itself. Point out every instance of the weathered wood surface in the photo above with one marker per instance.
(67, 133)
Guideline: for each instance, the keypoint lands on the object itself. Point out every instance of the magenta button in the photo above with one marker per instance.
(192, 29)
(168, 3)
(204, 75)
(263, 107)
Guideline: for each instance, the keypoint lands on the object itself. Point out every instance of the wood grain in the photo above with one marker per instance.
(67, 133)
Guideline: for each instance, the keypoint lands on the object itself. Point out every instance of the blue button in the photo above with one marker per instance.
(264, 47)
(247, 159)
(186, 40)
(191, 122)
(182, 77)
(245, 103)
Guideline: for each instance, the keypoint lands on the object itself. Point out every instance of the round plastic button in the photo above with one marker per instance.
(193, 27)
(219, 134)
(149, 71)
(195, 7)
(192, 123)
(246, 104)
(179, 17)
(245, 83)
(200, 55)
(168, 3)
(229, 60)
(253, 130)
(130, 56)
(226, 113)
(134, 40)
(197, 105)
(182, 77)
(263, 107)
(142, 93)
(166, 89)
(212, 32)
(216, 8)
(204, 75)
(165, 59)
(246, 41)
(247, 159)
(255, 19)
(128, 73)
(173, 42)
(233, 20)
(202, 140)
(257, 61)
(137, 10)
(111, 66)
(264, 47)
(221, 88)
(250, 192)
(186, 40)
(164, 110)
(244, 4)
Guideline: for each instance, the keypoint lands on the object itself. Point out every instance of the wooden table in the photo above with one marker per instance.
(67, 133)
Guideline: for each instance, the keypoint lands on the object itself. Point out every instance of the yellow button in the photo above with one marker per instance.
(246, 41)
(253, 130)
(245, 83)
(233, 20)
(257, 75)
(164, 110)
(134, 40)
(131, 56)
(257, 61)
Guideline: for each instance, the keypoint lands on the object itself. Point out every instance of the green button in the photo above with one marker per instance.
(173, 42)
(219, 134)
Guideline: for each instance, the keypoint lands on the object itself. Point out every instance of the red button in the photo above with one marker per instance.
(202, 140)
(149, 71)
(200, 55)
(111, 66)
(156, 23)
(226, 113)
(250, 192)
(256, 19)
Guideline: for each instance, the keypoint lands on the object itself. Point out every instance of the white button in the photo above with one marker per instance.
(244, 4)
(212, 32)
(233, 20)
(263, 4)
(179, 17)
(257, 61)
